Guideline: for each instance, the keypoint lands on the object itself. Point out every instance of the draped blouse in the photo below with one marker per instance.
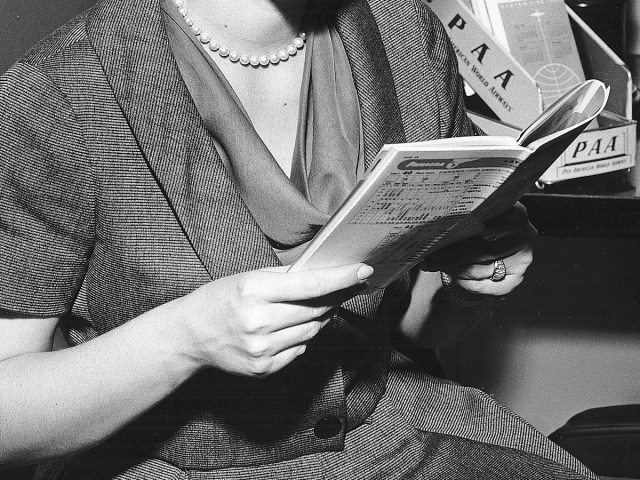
(328, 155)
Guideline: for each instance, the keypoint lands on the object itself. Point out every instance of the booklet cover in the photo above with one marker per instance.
(538, 34)
(420, 197)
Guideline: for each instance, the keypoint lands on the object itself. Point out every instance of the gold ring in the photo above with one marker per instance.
(499, 271)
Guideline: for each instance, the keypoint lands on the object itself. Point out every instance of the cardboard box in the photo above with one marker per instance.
(513, 96)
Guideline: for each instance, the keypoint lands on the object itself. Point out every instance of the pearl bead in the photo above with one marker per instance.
(283, 54)
(265, 59)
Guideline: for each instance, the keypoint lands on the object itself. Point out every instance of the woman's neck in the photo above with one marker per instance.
(249, 25)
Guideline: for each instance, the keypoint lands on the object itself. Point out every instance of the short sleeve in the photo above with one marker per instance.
(46, 196)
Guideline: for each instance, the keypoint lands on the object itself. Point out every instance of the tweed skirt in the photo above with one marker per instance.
(445, 431)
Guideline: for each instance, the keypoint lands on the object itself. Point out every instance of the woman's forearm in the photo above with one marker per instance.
(58, 403)
(251, 324)
(432, 319)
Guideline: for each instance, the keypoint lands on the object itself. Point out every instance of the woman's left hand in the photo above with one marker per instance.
(493, 263)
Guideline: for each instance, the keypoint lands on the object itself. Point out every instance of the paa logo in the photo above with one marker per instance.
(427, 164)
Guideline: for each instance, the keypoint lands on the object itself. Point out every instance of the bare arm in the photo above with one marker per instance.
(55, 403)
(432, 320)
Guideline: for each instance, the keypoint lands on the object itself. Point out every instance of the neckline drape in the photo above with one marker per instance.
(328, 157)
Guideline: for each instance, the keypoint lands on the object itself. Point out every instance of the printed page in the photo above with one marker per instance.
(413, 200)
(520, 181)
(421, 197)
(538, 34)
(583, 104)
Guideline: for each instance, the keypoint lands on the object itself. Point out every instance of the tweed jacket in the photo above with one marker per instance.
(113, 200)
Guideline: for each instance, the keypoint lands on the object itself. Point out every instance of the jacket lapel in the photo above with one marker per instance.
(379, 107)
(140, 67)
(392, 57)
(417, 62)
(131, 42)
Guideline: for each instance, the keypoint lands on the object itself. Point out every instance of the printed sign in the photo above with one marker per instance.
(502, 83)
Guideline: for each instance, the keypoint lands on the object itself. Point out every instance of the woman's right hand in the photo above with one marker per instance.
(255, 323)
(250, 324)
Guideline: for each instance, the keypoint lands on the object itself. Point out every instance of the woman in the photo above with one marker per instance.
(146, 210)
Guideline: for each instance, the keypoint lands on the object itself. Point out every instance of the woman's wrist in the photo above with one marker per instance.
(170, 336)
(459, 295)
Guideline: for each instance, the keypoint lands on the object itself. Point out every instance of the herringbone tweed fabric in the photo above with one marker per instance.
(113, 200)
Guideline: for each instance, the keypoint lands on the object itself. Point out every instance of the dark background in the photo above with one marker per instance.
(24, 22)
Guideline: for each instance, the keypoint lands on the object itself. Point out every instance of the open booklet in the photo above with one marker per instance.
(420, 197)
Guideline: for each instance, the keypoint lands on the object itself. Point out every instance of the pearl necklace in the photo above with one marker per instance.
(264, 59)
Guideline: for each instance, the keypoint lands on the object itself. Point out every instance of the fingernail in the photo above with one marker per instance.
(364, 272)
